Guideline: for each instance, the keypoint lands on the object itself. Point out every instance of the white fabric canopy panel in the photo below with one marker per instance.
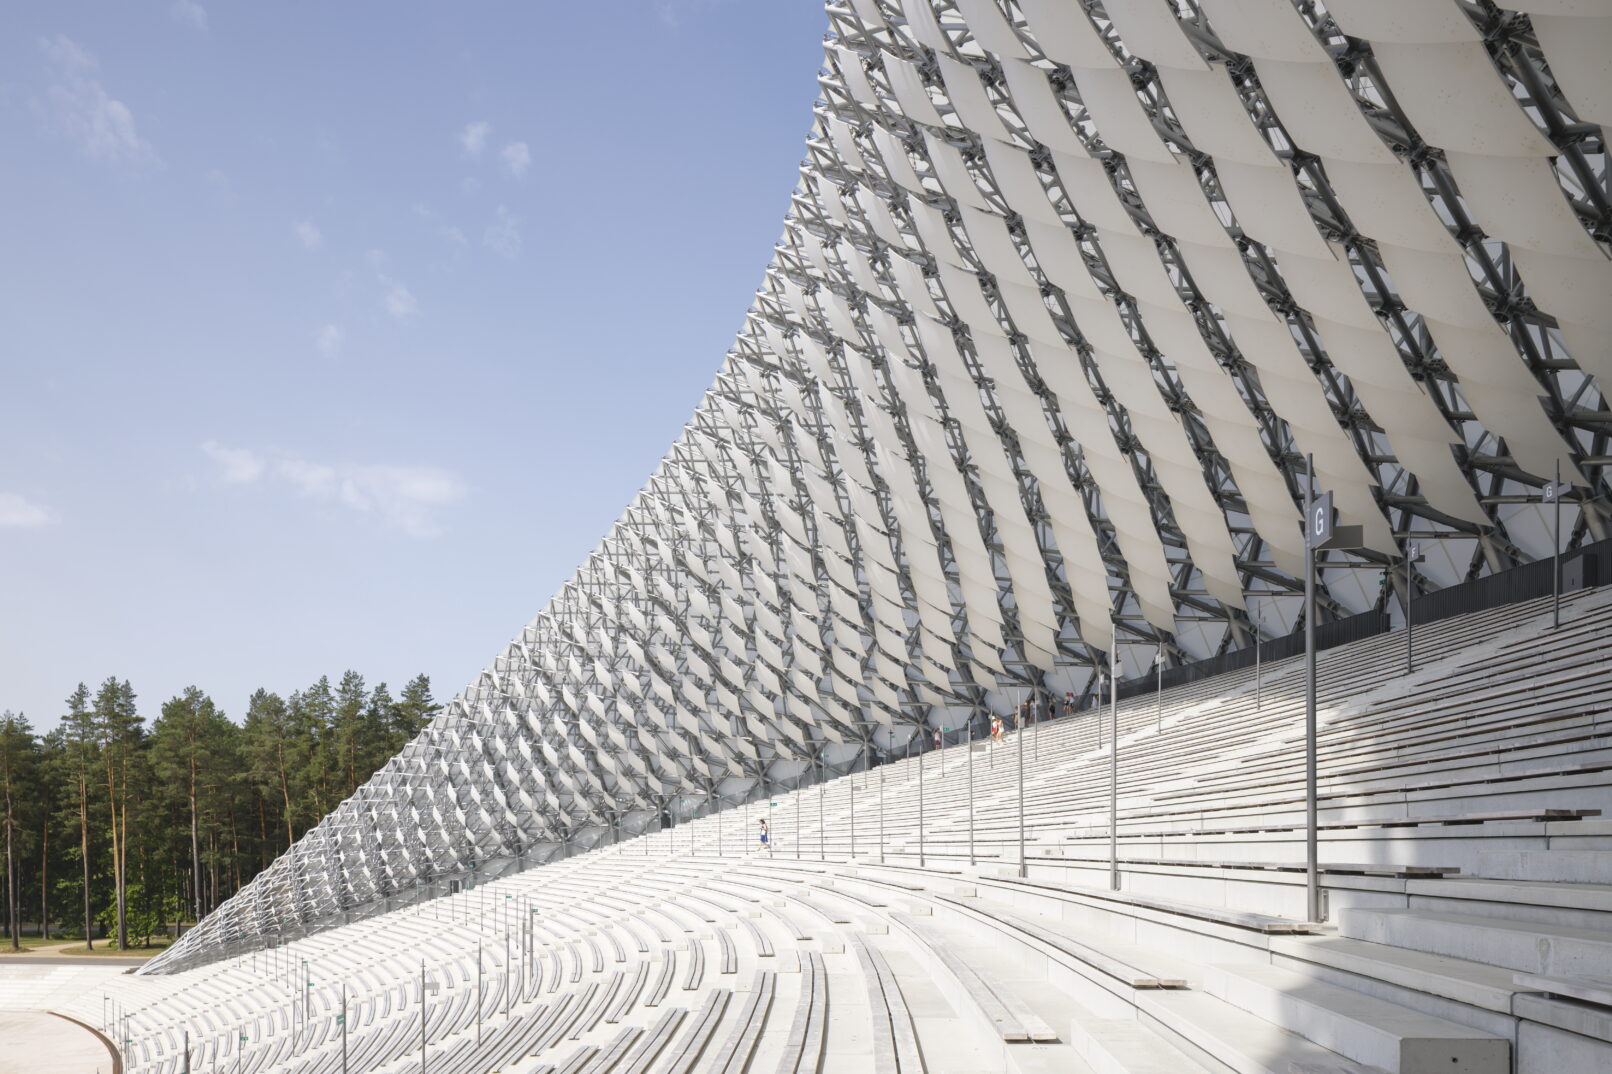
(1029, 380)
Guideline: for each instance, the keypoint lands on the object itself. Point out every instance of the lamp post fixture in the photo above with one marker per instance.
(1019, 734)
(1553, 495)
(921, 862)
(1113, 764)
(1158, 664)
(971, 789)
(1320, 532)
(1413, 556)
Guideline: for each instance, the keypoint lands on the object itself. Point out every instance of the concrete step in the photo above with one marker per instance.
(1542, 894)
(1122, 1046)
(1473, 983)
(1221, 1036)
(1571, 866)
(1527, 947)
(1356, 1025)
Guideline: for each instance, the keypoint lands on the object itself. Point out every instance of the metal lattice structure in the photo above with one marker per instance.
(1066, 292)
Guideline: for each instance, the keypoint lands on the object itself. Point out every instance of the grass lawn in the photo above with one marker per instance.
(111, 951)
(29, 943)
(33, 945)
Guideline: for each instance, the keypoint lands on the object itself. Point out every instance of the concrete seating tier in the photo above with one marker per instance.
(894, 926)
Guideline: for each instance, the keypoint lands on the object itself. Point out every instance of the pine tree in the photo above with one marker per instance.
(118, 727)
(18, 765)
(79, 759)
(184, 744)
(414, 709)
(267, 747)
(347, 716)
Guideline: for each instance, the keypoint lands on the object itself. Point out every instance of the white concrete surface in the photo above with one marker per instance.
(34, 1042)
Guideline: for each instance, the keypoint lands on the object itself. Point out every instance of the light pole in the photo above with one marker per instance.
(1023, 870)
(850, 783)
(1113, 764)
(1554, 493)
(1158, 664)
(881, 814)
(822, 847)
(1312, 527)
(1413, 556)
(920, 806)
(1259, 701)
(1320, 532)
(971, 789)
(341, 1020)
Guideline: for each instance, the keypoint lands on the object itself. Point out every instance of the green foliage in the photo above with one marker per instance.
(185, 812)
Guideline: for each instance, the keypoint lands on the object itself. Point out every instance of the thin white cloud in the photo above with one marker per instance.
(329, 340)
(398, 300)
(517, 158)
(18, 511)
(474, 137)
(190, 13)
(236, 466)
(78, 108)
(405, 497)
(503, 235)
(469, 185)
(309, 235)
(453, 236)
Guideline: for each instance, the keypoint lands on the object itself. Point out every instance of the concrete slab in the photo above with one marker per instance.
(35, 1042)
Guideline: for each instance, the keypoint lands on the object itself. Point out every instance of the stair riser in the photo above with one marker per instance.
(1578, 866)
(1357, 1039)
(1521, 951)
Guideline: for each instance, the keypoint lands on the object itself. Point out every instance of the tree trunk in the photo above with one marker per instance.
(44, 880)
(117, 859)
(285, 792)
(13, 919)
(195, 846)
(84, 854)
(123, 878)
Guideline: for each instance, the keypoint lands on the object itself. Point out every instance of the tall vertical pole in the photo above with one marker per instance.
(1099, 712)
(1113, 764)
(422, 1016)
(478, 991)
(1019, 734)
(506, 976)
(850, 783)
(971, 788)
(187, 1051)
(1410, 594)
(798, 796)
(881, 814)
(343, 1027)
(1259, 701)
(1556, 550)
(1312, 873)
(822, 848)
(920, 806)
(1158, 663)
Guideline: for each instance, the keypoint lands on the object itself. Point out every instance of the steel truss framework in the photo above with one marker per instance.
(1065, 294)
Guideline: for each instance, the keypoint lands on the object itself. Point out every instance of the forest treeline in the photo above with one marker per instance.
(113, 824)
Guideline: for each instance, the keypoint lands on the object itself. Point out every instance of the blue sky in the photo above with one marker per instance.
(335, 335)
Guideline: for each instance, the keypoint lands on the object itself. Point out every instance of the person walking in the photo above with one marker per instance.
(764, 841)
(996, 730)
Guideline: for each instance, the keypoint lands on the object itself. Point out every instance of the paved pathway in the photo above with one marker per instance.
(32, 1042)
